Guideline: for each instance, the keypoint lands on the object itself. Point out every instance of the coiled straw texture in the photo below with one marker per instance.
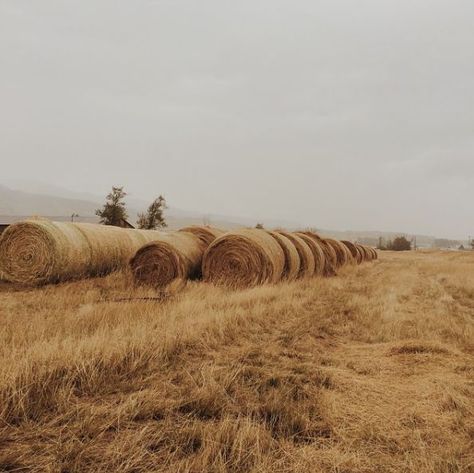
(244, 258)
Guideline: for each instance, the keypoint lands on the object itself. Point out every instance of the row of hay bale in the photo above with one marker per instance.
(41, 251)
(172, 259)
(251, 257)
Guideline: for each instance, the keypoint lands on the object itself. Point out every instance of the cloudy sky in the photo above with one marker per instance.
(341, 114)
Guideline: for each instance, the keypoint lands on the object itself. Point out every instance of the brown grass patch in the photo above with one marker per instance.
(286, 378)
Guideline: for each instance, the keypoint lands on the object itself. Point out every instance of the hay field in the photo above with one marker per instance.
(371, 371)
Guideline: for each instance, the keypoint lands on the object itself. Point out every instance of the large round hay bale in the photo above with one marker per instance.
(292, 259)
(318, 254)
(330, 253)
(356, 254)
(375, 253)
(305, 254)
(109, 247)
(169, 260)
(343, 255)
(40, 251)
(244, 258)
(330, 258)
(205, 233)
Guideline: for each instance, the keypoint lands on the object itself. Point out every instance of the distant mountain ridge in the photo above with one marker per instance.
(18, 204)
(14, 202)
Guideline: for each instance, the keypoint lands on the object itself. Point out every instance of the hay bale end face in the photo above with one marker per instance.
(292, 259)
(330, 258)
(168, 261)
(362, 252)
(365, 251)
(318, 254)
(354, 251)
(305, 254)
(341, 252)
(373, 252)
(40, 251)
(244, 258)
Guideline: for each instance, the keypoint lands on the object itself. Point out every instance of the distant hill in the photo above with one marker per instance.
(17, 204)
(13, 202)
(57, 203)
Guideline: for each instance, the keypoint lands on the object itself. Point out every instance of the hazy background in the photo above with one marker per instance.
(337, 114)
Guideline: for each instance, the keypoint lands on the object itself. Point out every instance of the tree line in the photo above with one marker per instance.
(397, 244)
(114, 211)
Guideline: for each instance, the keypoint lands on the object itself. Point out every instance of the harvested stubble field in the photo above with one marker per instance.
(371, 371)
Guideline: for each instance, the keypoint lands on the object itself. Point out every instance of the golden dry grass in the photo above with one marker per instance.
(371, 371)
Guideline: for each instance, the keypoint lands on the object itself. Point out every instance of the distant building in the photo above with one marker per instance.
(125, 224)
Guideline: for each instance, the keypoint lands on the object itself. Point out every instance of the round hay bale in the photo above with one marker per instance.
(361, 256)
(205, 233)
(40, 251)
(318, 254)
(292, 259)
(369, 252)
(330, 257)
(305, 254)
(138, 238)
(109, 247)
(112, 247)
(366, 254)
(350, 259)
(343, 255)
(356, 254)
(168, 261)
(244, 258)
(362, 252)
(375, 253)
(330, 253)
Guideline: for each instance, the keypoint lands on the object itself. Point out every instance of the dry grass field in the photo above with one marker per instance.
(371, 371)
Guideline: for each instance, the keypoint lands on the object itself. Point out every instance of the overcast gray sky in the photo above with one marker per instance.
(343, 114)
